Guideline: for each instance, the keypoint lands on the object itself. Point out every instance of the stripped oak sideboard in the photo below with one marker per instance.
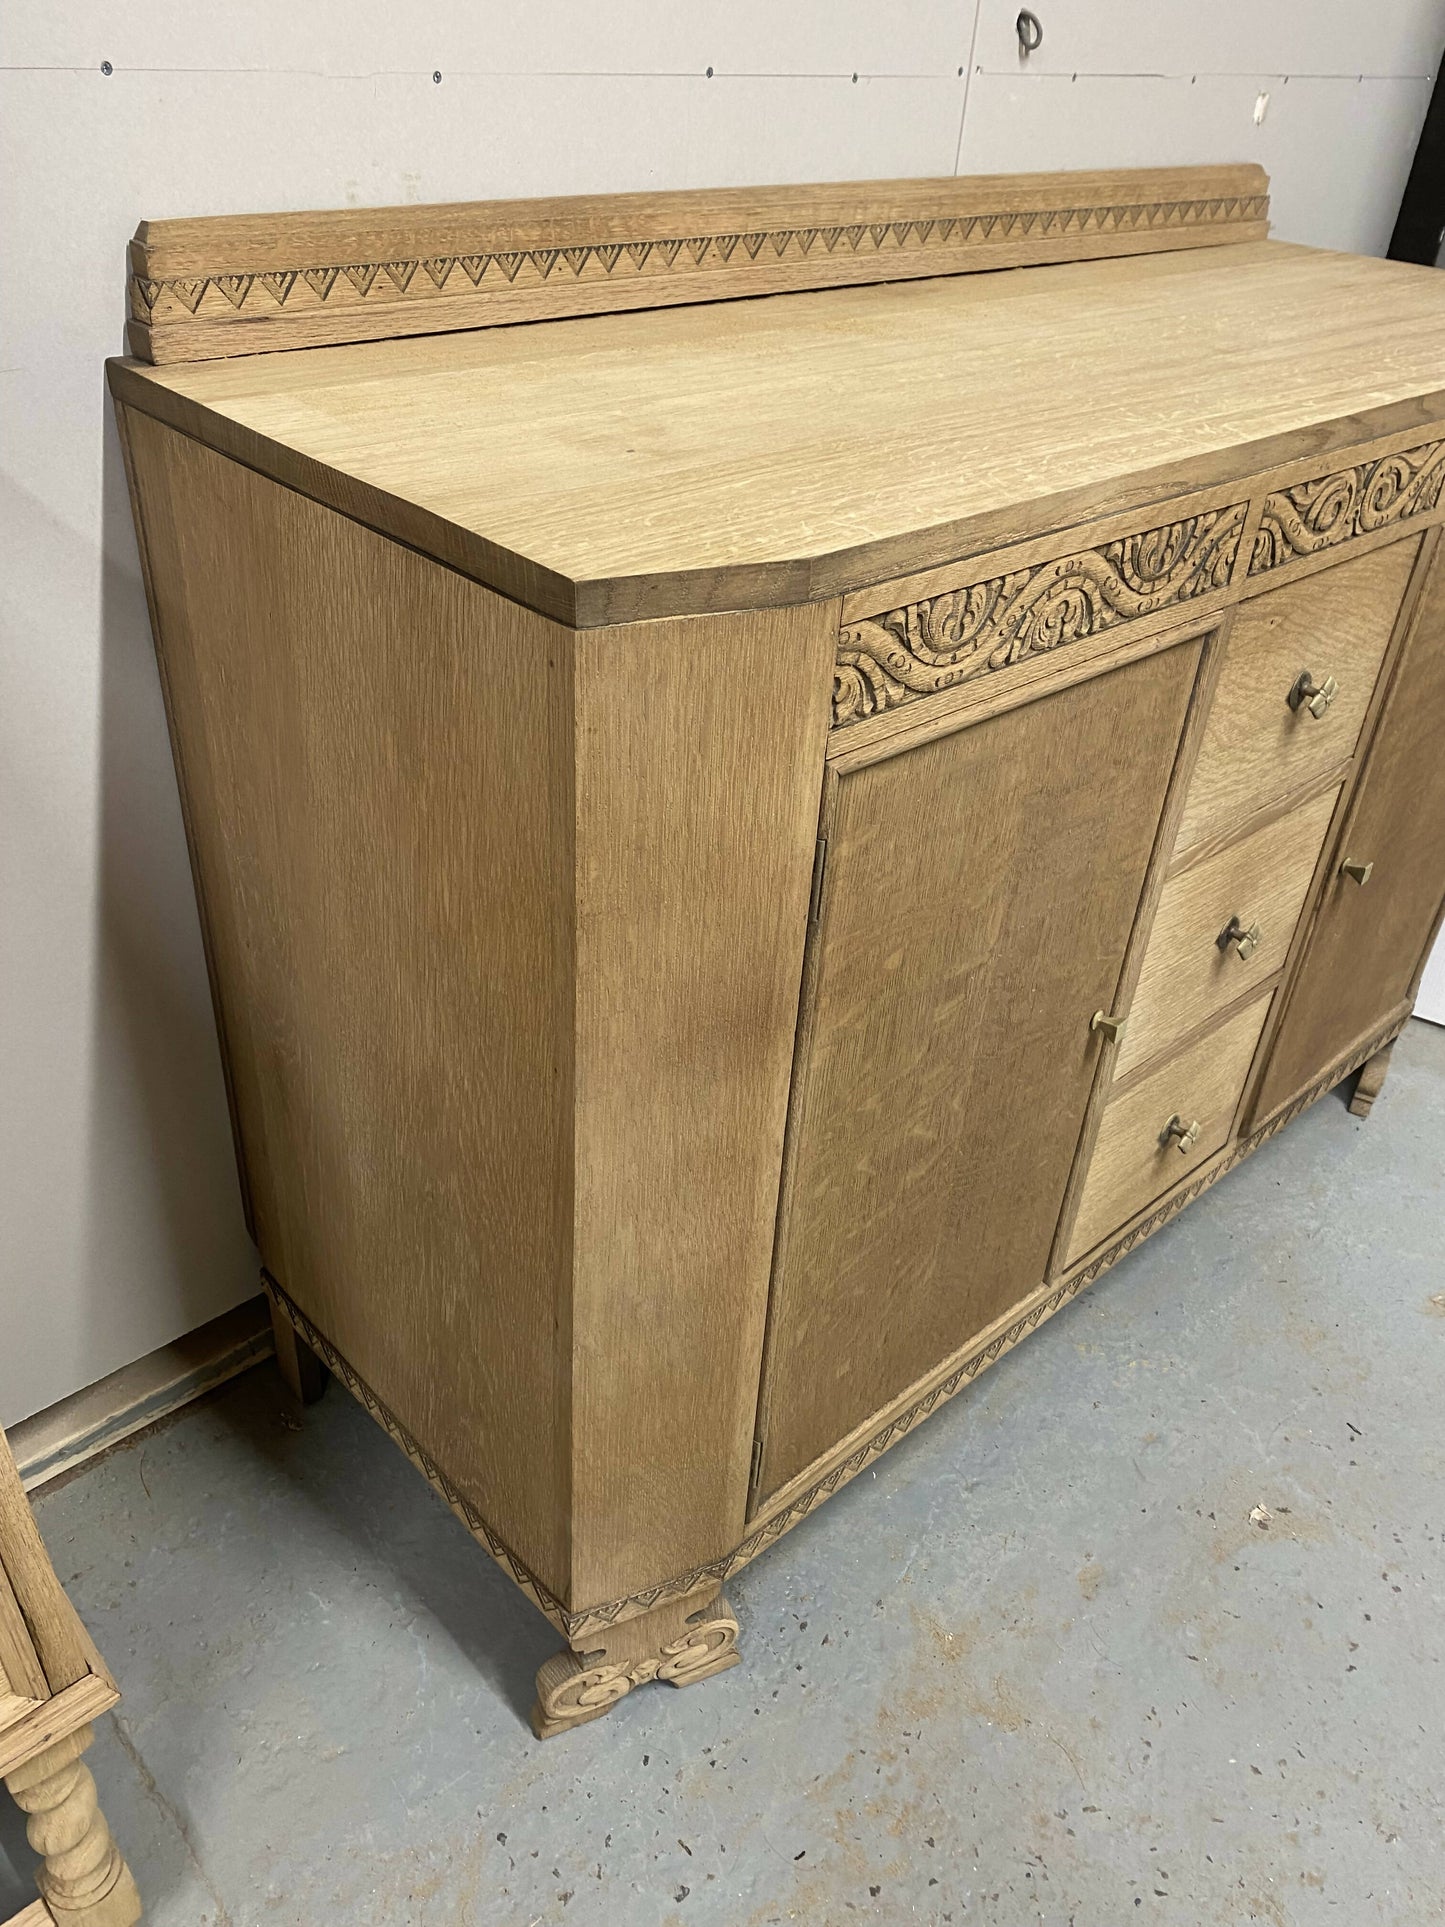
(759, 825)
(53, 1683)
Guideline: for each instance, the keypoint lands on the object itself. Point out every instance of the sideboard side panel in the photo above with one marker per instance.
(700, 747)
(376, 754)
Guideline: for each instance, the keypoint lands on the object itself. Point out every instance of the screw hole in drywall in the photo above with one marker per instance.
(106, 68)
(437, 76)
(1030, 31)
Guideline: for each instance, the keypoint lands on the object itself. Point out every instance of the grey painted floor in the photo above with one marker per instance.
(1037, 1667)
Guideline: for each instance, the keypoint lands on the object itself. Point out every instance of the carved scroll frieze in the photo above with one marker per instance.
(917, 650)
(1334, 508)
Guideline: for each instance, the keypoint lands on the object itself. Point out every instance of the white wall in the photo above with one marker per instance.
(119, 1221)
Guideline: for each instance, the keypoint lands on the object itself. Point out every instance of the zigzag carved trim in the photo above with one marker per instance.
(344, 284)
(964, 633)
(1334, 508)
(247, 284)
(577, 1626)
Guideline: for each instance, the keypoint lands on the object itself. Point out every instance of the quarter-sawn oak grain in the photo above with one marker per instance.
(799, 447)
(979, 893)
(1369, 943)
(1256, 748)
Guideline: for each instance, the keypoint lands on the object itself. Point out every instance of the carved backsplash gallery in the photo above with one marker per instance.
(917, 650)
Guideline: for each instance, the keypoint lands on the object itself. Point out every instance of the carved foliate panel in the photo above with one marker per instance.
(890, 659)
(1330, 509)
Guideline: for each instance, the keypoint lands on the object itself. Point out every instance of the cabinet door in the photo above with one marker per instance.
(1368, 941)
(979, 892)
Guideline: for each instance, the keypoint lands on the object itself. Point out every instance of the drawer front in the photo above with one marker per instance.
(1134, 1161)
(1256, 747)
(1257, 887)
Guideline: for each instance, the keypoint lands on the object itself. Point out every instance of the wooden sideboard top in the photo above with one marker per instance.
(796, 446)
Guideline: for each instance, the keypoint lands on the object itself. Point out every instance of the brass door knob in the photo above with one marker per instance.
(1306, 693)
(1243, 938)
(1187, 1135)
(1357, 872)
(1112, 1027)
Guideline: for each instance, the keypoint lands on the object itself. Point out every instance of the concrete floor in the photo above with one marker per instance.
(1038, 1666)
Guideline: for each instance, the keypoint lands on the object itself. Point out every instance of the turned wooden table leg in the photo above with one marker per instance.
(304, 1374)
(1369, 1082)
(83, 1879)
(685, 1640)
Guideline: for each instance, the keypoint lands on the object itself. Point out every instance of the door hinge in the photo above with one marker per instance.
(755, 1472)
(820, 864)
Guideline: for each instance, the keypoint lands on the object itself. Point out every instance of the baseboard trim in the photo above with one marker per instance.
(91, 1421)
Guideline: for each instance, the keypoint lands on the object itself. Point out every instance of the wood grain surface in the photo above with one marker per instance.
(1368, 944)
(1256, 748)
(1188, 976)
(246, 283)
(699, 758)
(799, 447)
(377, 759)
(1132, 1163)
(978, 897)
(509, 925)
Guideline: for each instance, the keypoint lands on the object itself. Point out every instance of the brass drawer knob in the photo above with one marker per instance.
(1308, 694)
(1187, 1135)
(1357, 872)
(1112, 1027)
(1243, 938)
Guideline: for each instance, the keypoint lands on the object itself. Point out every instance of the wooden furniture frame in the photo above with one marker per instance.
(53, 1684)
(687, 804)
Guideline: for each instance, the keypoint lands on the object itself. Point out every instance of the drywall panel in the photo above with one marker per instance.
(1387, 38)
(376, 38)
(1338, 152)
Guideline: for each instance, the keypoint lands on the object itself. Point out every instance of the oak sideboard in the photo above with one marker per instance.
(775, 778)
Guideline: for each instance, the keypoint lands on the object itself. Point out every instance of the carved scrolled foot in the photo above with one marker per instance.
(680, 1642)
(1369, 1082)
(82, 1879)
(303, 1373)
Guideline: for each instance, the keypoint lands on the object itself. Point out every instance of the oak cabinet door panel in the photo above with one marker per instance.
(980, 891)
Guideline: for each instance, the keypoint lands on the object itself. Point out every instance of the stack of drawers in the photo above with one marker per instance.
(1299, 669)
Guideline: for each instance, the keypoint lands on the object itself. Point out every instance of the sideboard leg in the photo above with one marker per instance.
(82, 1878)
(304, 1374)
(683, 1641)
(1369, 1081)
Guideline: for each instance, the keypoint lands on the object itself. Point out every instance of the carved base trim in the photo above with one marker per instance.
(616, 1613)
(901, 1422)
(440, 1482)
(683, 1642)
